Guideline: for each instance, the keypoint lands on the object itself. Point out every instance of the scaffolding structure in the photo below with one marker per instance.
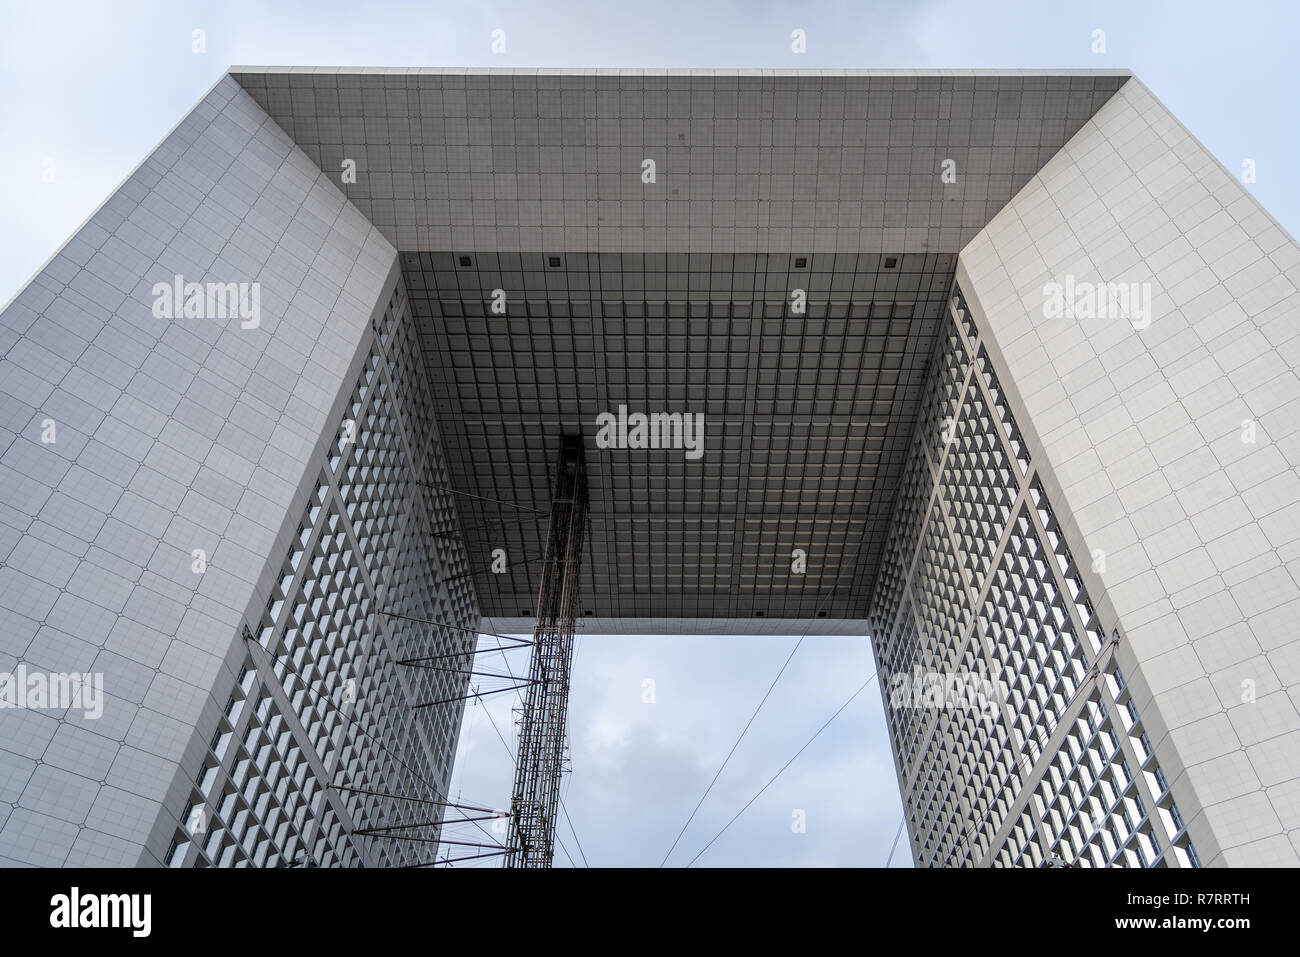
(542, 719)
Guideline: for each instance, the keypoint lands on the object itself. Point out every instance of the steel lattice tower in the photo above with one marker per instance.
(540, 760)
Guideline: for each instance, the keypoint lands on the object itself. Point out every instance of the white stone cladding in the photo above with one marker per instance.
(172, 435)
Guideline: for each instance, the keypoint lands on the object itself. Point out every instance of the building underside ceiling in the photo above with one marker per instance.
(807, 419)
(671, 293)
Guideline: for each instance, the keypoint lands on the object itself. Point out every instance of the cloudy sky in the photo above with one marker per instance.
(653, 717)
(88, 88)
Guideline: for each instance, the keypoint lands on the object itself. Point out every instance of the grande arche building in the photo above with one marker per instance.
(1099, 514)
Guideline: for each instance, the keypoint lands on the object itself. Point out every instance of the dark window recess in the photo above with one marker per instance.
(801, 262)
(891, 262)
(554, 261)
(466, 261)
(758, 614)
(525, 613)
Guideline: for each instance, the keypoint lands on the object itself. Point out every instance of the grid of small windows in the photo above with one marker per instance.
(962, 313)
(319, 643)
(939, 424)
(900, 549)
(373, 577)
(979, 488)
(1030, 642)
(899, 650)
(1093, 810)
(1022, 843)
(922, 652)
(942, 599)
(1090, 807)
(909, 730)
(933, 803)
(1046, 774)
(994, 390)
(981, 749)
(1037, 658)
(256, 801)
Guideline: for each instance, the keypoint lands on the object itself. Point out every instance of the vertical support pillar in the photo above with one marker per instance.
(540, 760)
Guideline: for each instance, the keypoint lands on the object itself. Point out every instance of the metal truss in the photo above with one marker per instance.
(542, 720)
